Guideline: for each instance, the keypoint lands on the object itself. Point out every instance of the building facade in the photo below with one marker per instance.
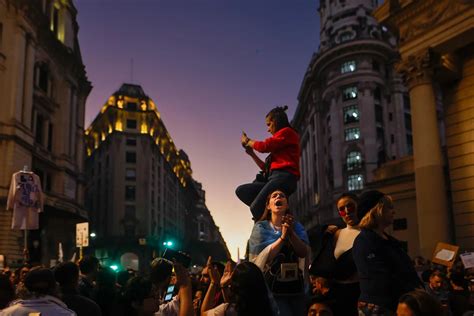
(203, 236)
(44, 87)
(140, 188)
(353, 111)
(436, 47)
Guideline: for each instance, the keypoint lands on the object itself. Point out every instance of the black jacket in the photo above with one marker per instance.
(385, 270)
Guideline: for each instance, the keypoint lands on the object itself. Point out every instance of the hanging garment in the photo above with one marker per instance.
(25, 198)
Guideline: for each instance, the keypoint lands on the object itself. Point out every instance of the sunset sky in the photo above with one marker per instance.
(213, 68)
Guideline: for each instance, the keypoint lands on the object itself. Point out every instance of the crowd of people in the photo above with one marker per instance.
(357, 269)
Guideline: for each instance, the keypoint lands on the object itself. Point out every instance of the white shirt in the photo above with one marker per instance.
(170, 308)
(222, 310)
(45, 305)
(345, 240)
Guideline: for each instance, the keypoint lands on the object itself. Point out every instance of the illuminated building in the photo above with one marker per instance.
(139, 185)
(353, 113)
(44, 87)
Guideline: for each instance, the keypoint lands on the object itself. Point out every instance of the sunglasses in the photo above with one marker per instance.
(346, 209)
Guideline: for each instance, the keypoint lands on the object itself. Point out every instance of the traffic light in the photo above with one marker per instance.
(168, 243)
(114, 267)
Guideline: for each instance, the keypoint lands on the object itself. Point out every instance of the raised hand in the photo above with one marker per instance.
(182, 275)
(227, 276)
(214, 274)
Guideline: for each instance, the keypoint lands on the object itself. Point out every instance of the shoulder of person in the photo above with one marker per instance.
(261, 225)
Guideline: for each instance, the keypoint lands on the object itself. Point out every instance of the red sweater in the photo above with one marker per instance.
(284, 147)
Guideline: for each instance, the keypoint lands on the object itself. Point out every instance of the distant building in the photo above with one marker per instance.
(44, 88)
(140, 188)
(353, 113)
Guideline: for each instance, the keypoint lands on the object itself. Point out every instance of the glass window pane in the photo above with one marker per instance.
(351, 114)
(352, 133)
(348, 66)
(355, 182)
(349, 93)
(354, 160)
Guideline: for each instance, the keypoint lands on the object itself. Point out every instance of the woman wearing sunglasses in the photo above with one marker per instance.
(334, 260)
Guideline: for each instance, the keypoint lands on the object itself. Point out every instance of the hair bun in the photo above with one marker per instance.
(282, 108)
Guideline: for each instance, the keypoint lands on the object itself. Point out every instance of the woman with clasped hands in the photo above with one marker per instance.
(279, 247)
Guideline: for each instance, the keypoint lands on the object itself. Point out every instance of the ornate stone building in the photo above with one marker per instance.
(44, 87)
(353, 113)
(140, 188)
(436, 46)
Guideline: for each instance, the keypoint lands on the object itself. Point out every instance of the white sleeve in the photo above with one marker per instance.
(169, 309)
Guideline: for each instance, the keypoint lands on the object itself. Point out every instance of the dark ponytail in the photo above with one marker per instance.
(278, 115)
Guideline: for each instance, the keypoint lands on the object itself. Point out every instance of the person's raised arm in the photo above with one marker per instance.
(226, 279)
(185, 290)
(249, 150)
(215, 277)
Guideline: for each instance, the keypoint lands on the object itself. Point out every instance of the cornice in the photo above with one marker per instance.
(419, 17)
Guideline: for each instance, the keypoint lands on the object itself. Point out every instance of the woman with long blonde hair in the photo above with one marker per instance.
(385, 269)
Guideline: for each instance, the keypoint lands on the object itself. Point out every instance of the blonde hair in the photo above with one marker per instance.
(370, 220)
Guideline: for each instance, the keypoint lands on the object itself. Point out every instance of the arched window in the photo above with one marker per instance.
(353, 160)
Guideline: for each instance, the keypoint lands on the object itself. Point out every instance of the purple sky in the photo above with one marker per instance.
(213, 68)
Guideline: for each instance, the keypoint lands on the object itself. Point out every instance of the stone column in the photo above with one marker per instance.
(431, 202)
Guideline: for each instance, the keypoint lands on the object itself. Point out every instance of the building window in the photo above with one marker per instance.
(400, 224)
(378, 114)
(348, 66)
(406, 103)
(132, 124)
(392, 139)
(351, 114)
(349, 93)
(39, 129)
(390, 116)
(55, 21)
(131, 142)
(380, 133)
(50, 137)
(130, 193)
(130, 174)
(409, 143)
(377, 95)
(42, 78)
(346, 36)
(355, 182)
(130, 157)
(353, 160)
(352, 133)
(408, 121)
(131, 106)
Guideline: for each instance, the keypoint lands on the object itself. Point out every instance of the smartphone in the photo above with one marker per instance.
(169, 293)
(179, 256)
